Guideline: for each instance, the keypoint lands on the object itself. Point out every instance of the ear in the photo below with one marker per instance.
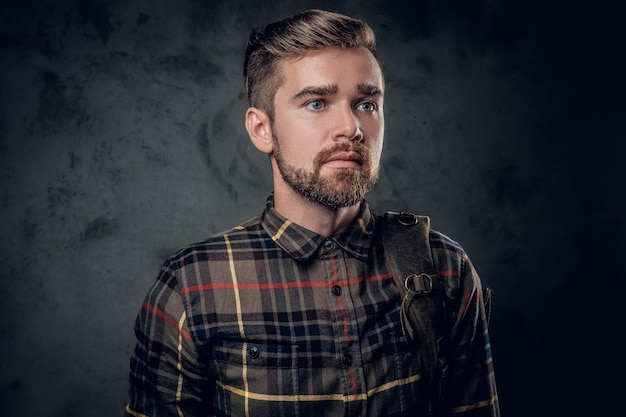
(259, 129)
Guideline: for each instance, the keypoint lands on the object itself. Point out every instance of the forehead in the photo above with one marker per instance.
(331, 66)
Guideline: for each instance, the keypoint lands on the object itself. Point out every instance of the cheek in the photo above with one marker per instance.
(290, 142)
(376, 136)
(376, 154)
(374, 126)
(297, 153)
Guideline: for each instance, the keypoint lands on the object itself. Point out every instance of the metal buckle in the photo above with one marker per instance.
(420, 286)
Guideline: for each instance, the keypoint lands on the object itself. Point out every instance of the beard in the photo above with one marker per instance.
(342, 187)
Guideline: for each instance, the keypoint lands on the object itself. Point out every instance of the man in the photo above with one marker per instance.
(295, 313)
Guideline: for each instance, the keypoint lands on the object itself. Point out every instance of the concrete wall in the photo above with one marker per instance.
(122, 139)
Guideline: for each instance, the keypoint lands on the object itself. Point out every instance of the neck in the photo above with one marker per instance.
(320, 219)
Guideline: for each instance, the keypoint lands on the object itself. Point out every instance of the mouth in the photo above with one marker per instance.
(345, 160)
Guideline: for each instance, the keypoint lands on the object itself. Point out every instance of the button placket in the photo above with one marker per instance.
(344, 327)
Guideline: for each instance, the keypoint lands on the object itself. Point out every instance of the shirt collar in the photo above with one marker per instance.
(301, 243)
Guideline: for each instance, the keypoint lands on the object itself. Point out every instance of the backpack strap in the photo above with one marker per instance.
(408, 258)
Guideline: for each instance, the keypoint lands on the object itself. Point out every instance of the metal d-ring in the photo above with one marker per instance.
(426, 281)
(407, 219)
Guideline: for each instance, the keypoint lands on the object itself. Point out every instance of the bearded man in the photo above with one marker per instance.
(295, 312)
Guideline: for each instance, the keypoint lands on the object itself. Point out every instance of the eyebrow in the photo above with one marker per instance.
(366, 90)
(324, 90)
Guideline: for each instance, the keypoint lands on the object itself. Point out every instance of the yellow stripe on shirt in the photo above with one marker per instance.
(319, 397)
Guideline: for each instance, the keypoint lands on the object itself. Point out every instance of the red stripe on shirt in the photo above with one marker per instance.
(167, 318)
(280, 285)
(449, 273)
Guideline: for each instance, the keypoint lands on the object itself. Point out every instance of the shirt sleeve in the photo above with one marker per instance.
(469, 387)
(167, 375)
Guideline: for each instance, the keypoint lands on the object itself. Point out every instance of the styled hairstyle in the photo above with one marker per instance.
(292, 37)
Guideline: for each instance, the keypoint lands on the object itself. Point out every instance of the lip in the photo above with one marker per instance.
(345, 160)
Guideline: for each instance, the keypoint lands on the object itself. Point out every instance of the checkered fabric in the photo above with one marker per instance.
(271, 319)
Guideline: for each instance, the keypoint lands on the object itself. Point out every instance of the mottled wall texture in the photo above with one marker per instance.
(122, 139)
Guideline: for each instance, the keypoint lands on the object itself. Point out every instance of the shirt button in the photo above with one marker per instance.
(329, 245)
(336, 290)
(254, 352)
(347, 359)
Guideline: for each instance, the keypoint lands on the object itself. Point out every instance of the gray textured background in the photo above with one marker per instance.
(122, 139)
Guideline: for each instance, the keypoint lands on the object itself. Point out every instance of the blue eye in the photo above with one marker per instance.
(367, 107)
(315, 105)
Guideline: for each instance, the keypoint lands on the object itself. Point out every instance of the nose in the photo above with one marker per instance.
(348, 125)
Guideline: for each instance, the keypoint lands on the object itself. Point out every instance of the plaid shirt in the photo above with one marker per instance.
(271, 319)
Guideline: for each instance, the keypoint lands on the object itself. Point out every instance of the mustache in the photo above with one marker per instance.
(329, 152)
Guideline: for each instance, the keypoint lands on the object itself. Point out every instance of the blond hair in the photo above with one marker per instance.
(292, 37)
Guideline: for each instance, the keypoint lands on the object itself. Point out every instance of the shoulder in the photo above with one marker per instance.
(206, 263)
(201, 259)
(441, 243)
(448, 255)
(218, 245)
